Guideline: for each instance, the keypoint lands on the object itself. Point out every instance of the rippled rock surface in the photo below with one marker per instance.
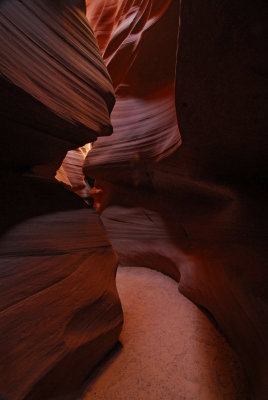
(138, 41)
(210, 191)
(213, 187)
(60, 311)
(56, 89)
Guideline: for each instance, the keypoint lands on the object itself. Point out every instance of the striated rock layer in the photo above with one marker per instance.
(136, 40)
(59, 308)
(56, 89)
(60, 311)
(211, 192)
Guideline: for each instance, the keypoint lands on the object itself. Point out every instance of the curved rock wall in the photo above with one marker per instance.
(60, 310)
(220, 93)
(51, 66)
(201, 212)
(137, 39)
(210, 193)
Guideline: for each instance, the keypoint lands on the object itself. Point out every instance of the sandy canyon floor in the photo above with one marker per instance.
(170, 349)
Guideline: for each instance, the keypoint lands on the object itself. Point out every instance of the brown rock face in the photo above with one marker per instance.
(219, 96)
(201, 214)
(137, 39)
(60, 311)
(211, 192)
(56, 89)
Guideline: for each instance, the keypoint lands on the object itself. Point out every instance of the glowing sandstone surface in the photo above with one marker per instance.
(212, 191)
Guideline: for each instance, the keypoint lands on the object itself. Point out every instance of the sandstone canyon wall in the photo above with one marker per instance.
(183, 176)
(54, 67)
(60, 311)
(135, 39)
(201, 210)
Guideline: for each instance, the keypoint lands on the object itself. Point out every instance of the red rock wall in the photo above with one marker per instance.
(220, 93)
(136, 39)
(58, 94)
(211, 192)
(60, 311)
(201, 215)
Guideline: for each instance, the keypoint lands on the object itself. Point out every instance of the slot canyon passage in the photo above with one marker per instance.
(155, 110)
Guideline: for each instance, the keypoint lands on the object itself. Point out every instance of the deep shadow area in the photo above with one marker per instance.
(43, 197)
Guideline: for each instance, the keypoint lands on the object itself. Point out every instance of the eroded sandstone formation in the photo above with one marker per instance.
(60, 311)
(189, 201)
(136, 40)
(53, 67)
(211, 192)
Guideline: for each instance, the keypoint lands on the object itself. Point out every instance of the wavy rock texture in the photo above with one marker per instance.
(209, 193)
(60, 311)
(58, 94)
(135, 38)
(213, 187)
